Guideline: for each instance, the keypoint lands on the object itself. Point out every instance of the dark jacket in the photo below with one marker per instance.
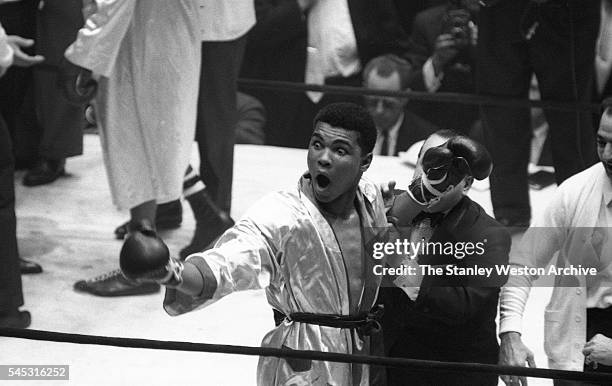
(413, 129)
(453, 317)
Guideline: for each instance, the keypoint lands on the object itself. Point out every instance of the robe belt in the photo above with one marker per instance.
(366, 323)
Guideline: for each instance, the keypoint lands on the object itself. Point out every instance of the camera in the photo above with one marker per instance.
(456, 21)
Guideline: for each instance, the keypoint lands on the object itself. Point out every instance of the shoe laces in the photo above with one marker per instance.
(106, 276)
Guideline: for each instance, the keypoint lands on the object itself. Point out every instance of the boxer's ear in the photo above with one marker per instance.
(366, 161)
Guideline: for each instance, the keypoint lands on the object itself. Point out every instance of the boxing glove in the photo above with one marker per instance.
(76, 82)
(145, 257)
(403, 210)
(446, 165)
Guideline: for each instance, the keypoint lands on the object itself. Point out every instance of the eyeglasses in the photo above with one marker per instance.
(387, 103)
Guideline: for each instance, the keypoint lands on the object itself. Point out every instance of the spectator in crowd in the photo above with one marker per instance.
(555, 40)
(443, 54)
(398, 128)
(16, 90)
(446, 317)
(11, 295)
(59, 123)
(320, 42)
(575, 227)
(146, 127)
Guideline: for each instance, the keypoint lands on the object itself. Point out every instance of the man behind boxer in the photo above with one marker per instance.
(448, 317)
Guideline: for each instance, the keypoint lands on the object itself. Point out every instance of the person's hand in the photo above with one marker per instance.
(386, 189)
(598, 350)
(20, 58)
(445, 50)
(512, 352)
(456, 36)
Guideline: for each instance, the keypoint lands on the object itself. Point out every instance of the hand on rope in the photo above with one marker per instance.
(513, 352)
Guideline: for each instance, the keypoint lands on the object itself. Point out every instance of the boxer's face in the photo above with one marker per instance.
(455, 194)
(335, 163)
(604, 141)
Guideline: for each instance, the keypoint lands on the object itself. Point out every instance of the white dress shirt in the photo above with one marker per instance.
(391, 139)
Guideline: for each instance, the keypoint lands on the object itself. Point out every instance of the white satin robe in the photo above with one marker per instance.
(284, 244)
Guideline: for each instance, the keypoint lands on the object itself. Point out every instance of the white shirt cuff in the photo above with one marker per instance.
(512, 305)
(432, 82)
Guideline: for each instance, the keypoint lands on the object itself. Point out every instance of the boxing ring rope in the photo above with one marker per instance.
(50, 336)
(451, 97)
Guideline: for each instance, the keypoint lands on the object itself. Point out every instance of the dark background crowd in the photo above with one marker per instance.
(497, 48)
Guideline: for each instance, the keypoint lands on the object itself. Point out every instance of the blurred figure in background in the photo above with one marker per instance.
(11, 295)
(59, 123)
(18, 18)
(555, 39)
(398, 128)
(318, 42)
(443, 54)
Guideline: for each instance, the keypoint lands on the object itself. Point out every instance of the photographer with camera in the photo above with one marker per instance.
(442, 52)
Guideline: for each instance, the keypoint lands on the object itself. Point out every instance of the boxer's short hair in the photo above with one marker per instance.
(350, 116)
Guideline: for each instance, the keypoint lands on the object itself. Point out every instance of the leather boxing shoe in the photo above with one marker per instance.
(168, 216)
(17, 319)
(115, 284)
(27, 266)
(45, 172)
